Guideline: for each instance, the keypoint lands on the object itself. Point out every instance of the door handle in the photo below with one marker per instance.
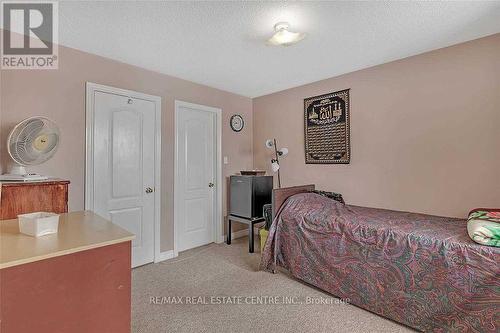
(149, 190)
(211, 184)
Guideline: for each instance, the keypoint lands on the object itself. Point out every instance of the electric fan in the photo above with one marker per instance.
(31, 142)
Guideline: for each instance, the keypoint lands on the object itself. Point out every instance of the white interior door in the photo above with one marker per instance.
(124, 168)
(196, 170)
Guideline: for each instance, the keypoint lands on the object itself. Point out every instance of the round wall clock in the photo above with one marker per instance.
(237, 123)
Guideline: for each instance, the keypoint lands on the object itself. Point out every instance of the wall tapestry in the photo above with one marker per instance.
(326, 128)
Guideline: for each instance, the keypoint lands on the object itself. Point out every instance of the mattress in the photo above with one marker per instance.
(420, 270)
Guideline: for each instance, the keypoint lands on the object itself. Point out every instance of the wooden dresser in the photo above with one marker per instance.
(26, 197)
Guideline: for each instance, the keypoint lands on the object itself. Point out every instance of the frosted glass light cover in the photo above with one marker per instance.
(284, 151)
(283, 36)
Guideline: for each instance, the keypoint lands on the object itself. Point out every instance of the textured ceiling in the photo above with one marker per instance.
(222, 44)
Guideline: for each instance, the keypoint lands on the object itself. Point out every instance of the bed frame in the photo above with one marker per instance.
(281, 194)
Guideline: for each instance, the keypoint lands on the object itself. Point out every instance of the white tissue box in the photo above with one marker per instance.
(38, 224)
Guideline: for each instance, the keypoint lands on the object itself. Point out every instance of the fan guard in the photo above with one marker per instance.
(33, 141)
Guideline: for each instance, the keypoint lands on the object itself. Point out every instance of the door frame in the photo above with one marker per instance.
(217, 228)
(91, 88)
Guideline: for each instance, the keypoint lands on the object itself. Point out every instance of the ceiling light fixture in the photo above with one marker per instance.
(284, 37)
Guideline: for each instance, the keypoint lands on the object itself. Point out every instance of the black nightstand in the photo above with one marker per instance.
(249, 222)
(247, 196)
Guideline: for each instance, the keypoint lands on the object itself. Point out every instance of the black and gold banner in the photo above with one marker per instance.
(326, 125)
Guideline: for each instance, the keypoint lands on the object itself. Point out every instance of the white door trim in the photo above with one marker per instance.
(218, 226)
(91, 88)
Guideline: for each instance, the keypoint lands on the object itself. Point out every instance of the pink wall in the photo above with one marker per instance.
(425, 132)
(60, 95)
(424, 129)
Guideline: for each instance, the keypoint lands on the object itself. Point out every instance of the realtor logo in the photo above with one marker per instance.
(29, 39)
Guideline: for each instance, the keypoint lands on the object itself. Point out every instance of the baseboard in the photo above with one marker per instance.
(240, 233)
(165, 256)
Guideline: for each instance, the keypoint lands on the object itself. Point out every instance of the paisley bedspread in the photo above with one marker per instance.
(420, 270)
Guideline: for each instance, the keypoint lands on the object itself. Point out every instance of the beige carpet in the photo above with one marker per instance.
(220, 270)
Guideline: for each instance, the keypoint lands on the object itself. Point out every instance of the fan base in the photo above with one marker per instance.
(18, 173)
(17, 169)
(30, 177)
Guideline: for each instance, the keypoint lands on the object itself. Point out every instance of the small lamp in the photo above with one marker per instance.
(275, 162)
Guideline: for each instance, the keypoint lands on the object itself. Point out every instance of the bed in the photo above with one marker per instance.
(420, 270)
